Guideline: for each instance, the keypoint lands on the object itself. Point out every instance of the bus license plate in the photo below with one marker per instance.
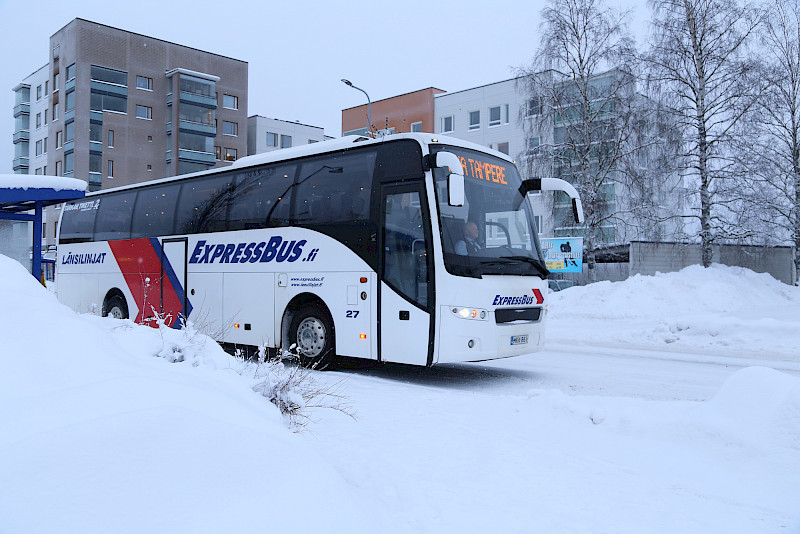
(519, 340)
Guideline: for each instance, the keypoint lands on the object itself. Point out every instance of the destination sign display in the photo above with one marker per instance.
(484, 170)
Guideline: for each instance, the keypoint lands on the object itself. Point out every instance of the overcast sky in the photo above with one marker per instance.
(299, 50)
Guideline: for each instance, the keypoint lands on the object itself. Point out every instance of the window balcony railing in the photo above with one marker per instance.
(20, 163)
(196, 156)
(22, 135)
(22, 109)
(199, 99)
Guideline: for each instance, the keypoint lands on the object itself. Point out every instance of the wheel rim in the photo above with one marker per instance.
(116, 313)
(311, 337)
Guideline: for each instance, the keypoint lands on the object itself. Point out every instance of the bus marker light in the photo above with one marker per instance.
(236, 325)
(474, 314)
(363, 336)
(363, 279)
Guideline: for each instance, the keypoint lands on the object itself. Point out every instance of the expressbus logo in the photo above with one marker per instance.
(275, 249)
(522, 300)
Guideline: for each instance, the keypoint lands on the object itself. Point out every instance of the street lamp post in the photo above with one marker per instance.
(369, 105)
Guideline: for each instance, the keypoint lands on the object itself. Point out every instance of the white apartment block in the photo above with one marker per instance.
(265, 134)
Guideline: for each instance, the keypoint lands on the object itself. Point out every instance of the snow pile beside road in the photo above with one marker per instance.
(100, 434)
(729, 310)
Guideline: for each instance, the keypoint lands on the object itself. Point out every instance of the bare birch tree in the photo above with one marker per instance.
(699, 59)
(769, 151)
(581, 92)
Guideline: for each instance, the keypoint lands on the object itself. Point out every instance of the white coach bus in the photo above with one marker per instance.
(355, 247)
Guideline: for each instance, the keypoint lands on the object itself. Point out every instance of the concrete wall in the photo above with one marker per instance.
(649, 258)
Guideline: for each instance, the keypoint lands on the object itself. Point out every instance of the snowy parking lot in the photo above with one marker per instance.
(661, 404)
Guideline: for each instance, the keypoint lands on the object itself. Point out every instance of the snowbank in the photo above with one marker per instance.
(101, 435)
(730, 310)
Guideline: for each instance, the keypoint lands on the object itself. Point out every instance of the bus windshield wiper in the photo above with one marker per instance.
(503, 260)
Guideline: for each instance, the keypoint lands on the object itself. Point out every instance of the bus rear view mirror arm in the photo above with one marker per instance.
(556, 184)
(455, 179)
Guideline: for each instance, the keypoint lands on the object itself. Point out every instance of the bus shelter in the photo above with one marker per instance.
(22, 199)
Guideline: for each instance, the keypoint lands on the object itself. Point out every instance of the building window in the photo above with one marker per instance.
(149, 168)
(38, 94)
(44, 146)
(55, 82)
(69, 132)
(218, 153)
(46, 88)
(230, 128)
(45, 115)
(474, 120)
(230, 154)
(230, 101)
(58, 167)
(272, 139)
(144, 112)
(70, 101)
(38, 171)
(286, 141)
(416, 126)
(55, 111)
(68, 162)
(534, 106)
(494, 116)
(533, 145)
(502, 147)
(106, 75)
(111, 139)
(38, 120)
(39, 147)
(110, 169)
(506, 117)
(448, 124)
(143, 82)
(71, 72)
(59, 139)
(149, 138)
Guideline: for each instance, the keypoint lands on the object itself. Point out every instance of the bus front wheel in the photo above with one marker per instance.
(117, 308)
(311, 331)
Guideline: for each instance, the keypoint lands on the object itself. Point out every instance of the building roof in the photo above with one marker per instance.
(20, 192)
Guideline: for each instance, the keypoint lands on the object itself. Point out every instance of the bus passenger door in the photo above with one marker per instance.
(174, 301)
(406, 286)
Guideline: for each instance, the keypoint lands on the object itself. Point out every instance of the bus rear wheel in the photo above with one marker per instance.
(311, 331)
(117, 308)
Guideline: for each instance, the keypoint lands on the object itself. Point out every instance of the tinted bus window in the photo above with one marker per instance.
(114, 216)
(261, 197)
(77, 222)
(336, 188)
(154, 214)
(203, 204)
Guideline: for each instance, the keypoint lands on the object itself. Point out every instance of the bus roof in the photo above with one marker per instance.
(312, 149)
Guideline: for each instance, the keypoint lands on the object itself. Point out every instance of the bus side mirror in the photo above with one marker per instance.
(455, 178)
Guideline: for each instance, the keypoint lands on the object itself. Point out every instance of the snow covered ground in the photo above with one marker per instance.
(661, 404)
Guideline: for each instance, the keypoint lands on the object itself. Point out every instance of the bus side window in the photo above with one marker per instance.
(114, 216)
(154, 214)
(335, 189)
(203, 205)
(261, 197)
(77, 223)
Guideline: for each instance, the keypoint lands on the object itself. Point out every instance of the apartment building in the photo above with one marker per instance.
(409, 112)
(114, 107)
(265, 134)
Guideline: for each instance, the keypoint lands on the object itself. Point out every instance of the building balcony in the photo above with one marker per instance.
(22, 135)
(22, 109)
(22, 163)
(95, 116)
(69, 85)
(96, 147)
(199, 100)
(201, 128)
(195, 156)
(109, 88)
(69, 115)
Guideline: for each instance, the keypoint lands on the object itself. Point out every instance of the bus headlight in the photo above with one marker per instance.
(470, 313)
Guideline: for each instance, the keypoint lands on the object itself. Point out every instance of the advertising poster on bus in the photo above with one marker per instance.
(563, 254)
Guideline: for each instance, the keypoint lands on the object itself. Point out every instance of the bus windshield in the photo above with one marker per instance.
(493, 232)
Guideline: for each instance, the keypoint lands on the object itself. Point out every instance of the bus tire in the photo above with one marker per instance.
(311, 331)
(116, 307)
